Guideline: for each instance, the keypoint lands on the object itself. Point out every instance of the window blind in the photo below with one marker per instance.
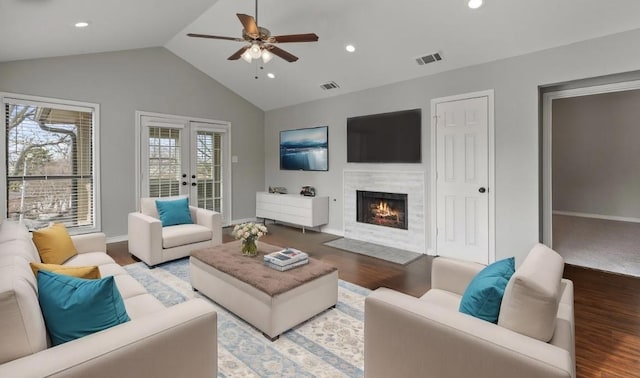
(209, 169)
(50, 164)
(165, 161)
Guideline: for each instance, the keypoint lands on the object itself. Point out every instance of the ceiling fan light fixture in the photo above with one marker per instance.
(350, 48)
(474, 4)
(255, 51)
(266, 56)
(246, 56)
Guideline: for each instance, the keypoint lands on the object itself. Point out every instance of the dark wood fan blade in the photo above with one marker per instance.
(214, 37)
(249, 24)
(238, 53)
(309, 37)
(282, 54)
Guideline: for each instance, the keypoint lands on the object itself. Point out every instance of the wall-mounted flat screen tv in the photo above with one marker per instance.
(385, 138)
(305, 149)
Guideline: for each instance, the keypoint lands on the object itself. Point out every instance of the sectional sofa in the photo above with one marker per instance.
(179, 341)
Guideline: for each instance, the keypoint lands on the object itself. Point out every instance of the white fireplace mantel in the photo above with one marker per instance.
(410, 182)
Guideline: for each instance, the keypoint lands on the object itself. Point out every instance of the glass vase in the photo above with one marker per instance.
(250, 247)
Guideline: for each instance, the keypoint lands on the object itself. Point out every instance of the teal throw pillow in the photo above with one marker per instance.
(75, 307)
(483, 296)
(173, 212)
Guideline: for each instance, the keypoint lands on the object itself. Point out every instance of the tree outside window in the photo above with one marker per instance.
(49, 165)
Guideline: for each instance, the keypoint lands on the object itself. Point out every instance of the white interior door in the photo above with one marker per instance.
(462, 179)
(182, 157)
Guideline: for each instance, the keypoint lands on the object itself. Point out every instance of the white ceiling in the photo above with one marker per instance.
(388, 36)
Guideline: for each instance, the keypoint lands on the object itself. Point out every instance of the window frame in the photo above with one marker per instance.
(63, 104)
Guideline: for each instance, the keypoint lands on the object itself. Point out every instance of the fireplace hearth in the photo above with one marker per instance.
(382, 209)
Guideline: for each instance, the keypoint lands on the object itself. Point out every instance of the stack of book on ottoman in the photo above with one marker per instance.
(286, 259)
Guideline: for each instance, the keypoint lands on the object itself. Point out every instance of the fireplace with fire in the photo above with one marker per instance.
(382, 209)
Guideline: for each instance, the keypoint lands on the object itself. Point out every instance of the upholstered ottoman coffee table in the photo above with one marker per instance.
(270, 300)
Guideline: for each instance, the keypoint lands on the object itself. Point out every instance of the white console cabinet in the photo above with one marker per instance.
(293, 208)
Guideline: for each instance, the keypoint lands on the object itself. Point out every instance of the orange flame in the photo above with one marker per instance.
(383, 210)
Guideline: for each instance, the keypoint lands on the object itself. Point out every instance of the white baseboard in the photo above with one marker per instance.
(119, 238)
(240, 221)
(332, 231)
(597, 216)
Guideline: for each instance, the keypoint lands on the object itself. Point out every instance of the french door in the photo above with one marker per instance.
(179, 156)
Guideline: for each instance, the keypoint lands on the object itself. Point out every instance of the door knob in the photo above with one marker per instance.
(482, 190)
(193, 184)
(193, 176)
(184, 175)
(184, 183)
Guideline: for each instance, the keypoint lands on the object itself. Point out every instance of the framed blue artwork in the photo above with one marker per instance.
(305, 149)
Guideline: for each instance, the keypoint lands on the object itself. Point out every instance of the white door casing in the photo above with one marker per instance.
(187, 146)
(463, 179)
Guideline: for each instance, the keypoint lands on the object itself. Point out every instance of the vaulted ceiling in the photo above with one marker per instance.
(388, 36)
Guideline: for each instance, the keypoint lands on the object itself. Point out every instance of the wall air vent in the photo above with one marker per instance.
(428, 59)
(329, 85)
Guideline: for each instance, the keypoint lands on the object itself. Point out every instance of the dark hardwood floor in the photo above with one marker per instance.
(607, 306)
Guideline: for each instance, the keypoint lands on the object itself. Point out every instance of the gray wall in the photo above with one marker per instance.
(596, 160)
(516, 83)
(153, 80)
(334, 113)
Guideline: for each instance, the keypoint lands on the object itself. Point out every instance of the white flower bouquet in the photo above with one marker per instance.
(249, 233)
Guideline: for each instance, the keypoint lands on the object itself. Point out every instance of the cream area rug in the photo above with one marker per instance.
(331, 344)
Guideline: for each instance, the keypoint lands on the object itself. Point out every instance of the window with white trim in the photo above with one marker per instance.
(50, 165)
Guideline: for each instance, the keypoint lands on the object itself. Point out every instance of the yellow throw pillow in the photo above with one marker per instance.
(88, 272)
(54, 244)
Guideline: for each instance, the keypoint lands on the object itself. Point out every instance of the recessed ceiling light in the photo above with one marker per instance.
(271, 76)
(474, 4)
(350, 48)
(81, 24)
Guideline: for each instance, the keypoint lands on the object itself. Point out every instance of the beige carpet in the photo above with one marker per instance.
(597, 243)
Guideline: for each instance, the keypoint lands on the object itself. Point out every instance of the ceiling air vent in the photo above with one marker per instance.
(329, 85)
(428, 59)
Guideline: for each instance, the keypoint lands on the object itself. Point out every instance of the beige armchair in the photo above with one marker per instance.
(428, 337)
(154, 244)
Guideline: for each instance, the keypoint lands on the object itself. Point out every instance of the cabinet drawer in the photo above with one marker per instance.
(284, 199)
(282, 209)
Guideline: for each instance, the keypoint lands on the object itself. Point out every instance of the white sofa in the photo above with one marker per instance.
(179, 341)
(428, 337)
(154, 244)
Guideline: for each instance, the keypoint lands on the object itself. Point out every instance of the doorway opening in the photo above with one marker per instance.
(591, 186)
